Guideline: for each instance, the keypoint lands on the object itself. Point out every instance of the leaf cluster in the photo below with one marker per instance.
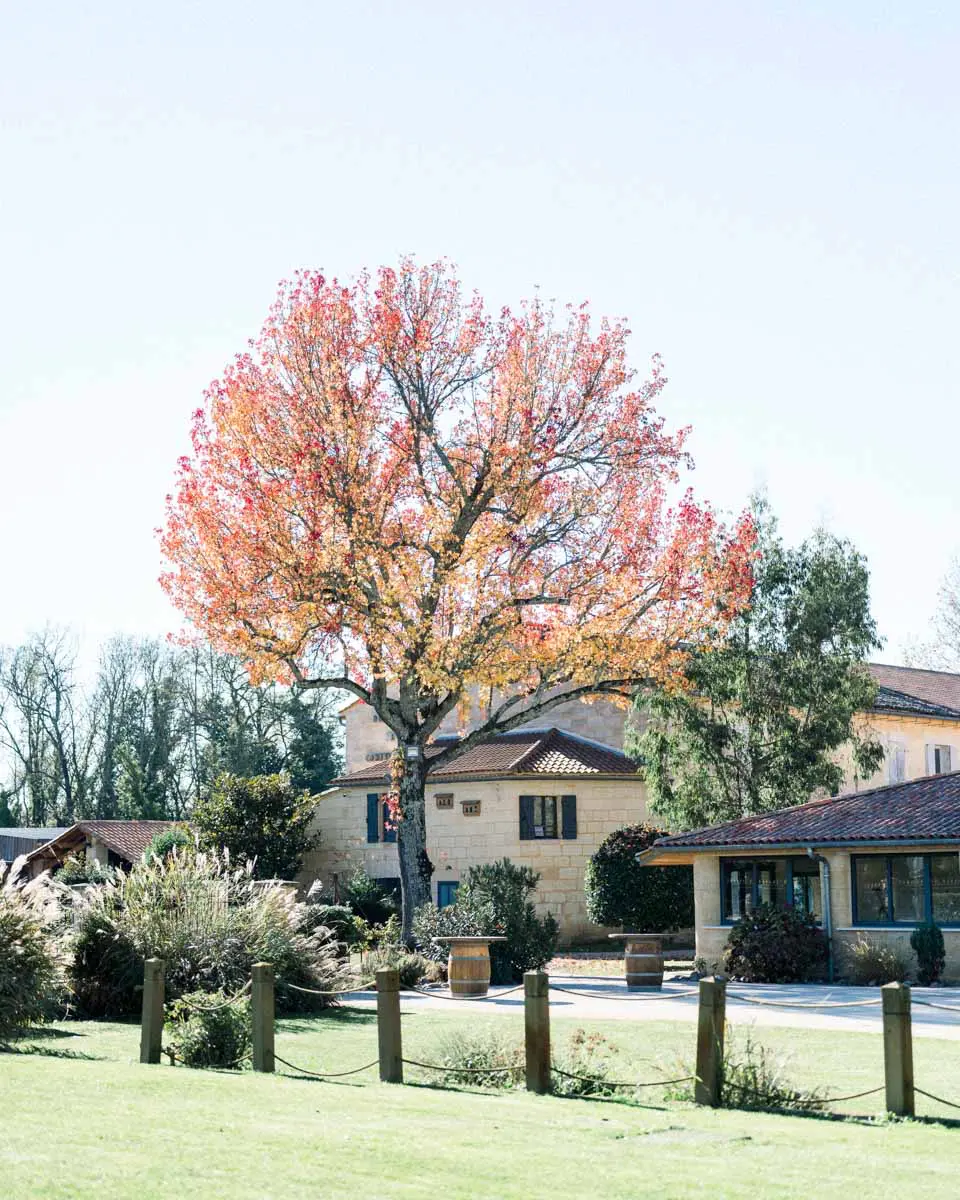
(620, 891)
(761, 718)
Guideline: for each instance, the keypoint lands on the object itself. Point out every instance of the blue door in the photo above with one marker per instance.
(447, 892)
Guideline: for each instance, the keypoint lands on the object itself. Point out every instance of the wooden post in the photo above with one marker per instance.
(536, 1023)
(897, 1049)
(389, 1038)
(151, 1023)
(710, 1023)
(262, 1012)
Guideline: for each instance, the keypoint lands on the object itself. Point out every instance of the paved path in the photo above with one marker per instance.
(603, 998)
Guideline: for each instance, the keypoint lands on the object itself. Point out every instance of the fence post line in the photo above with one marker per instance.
(389, 1041)
(897, 1049)
(151, 1021)
(710, 1025)
(536, 1028)
(262, 1013)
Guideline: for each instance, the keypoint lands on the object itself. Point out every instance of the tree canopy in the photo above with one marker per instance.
(397, 494)
(765, 714)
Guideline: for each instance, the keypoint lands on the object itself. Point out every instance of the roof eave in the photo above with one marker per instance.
(659, 854)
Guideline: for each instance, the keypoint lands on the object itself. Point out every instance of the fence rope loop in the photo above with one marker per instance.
(326, 1074)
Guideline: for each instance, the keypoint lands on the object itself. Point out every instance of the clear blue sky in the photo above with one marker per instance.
(768, 191)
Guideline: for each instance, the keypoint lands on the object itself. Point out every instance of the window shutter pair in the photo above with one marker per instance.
(568, 817)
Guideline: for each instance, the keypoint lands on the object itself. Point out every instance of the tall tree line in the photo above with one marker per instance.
(147, 733)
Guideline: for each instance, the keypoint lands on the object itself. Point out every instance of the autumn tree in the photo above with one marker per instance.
(396, 494)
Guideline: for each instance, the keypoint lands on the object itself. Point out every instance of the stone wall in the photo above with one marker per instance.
(456, 841)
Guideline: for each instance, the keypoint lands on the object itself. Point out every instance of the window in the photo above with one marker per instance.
(746, 883)
(945, 888)
(939, 760)
(471, 808)
(907, 889)
(897, 756)
(447, 892)
(444, 799)
(548, 817)
(379, 826)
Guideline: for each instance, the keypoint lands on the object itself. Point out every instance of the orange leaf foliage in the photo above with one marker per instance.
(394, 480)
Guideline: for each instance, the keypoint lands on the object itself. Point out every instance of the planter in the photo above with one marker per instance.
(468, 966)
(643, 959)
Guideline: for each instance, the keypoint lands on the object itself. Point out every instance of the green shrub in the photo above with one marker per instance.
(413, 968)
(206, 1031)
(107, 969)
(869, 962)
(264, 820)
(163, 843)
(209, 921)
(368, 898)
(77, 868)
(507, 889)
(31, 980)
(776, 945)
(480, 1058)
(469, 918)
(621, 892)
(926, 941)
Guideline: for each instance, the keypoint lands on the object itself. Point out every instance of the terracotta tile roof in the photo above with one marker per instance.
(908, 689)
(547, 752)
(922, 810)
(129, 839)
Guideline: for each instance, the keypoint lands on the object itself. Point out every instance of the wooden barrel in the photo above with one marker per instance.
(468, 968)
(644, 962)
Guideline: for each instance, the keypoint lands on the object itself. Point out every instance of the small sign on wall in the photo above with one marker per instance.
(444, 799)
(471, 808)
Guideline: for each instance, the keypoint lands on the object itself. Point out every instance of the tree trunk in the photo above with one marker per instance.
(415, 868)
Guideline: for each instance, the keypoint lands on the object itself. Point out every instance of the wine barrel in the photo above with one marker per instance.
(468, 968)
(644, 962)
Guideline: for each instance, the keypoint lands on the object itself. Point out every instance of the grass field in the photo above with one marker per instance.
(81, 1118)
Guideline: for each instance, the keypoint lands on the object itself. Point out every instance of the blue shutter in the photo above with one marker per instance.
(568, 826)
(373, 817)
(526, 818)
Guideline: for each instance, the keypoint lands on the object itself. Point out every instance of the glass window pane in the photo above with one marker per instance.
(739, 885)
(945, 882)
(772, 883)
(908, 888)
(806, 887)
(550, 816)
(871, 886)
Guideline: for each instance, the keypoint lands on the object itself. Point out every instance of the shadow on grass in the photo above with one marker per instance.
(304, 1023)
(32, 1051)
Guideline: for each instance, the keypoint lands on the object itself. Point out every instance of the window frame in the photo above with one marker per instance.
(893, 923)
(756, 863)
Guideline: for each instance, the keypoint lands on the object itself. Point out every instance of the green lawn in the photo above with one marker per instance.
(81, 1118)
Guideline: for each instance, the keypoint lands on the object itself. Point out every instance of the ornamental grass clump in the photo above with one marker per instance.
(480, 1058)
(210, 922)
(31, 975)
(874, 963)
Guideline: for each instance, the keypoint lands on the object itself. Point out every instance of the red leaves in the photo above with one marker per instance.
(392, 477)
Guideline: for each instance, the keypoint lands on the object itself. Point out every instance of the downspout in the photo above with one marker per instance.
(827, 907)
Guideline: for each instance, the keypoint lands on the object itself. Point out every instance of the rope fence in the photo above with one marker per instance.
(326, 1074)
(538, 1066)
